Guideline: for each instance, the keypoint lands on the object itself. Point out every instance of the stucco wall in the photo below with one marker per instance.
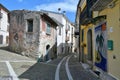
(113, 27)
(22, 41)
(47, 39)
(4, 26)
(31, 43)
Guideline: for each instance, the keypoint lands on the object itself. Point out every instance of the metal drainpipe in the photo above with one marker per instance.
(80, 56)
(66, 38)
(79, 46)
(119, 13)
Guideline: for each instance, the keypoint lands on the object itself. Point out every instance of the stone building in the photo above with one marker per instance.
(33, 33)
(65, 33)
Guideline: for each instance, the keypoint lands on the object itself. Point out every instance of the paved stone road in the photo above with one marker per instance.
(10, 56)
(27, 69)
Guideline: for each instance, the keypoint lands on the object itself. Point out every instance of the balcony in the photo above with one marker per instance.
(100, 4)
(86, 14)
(85, 17)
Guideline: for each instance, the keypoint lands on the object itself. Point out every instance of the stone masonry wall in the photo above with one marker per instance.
(22, 41)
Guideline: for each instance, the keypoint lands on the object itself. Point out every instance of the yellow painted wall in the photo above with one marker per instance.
(113, 28)
(85, 40)
(86, 28)
(83, 5)
(113, 24)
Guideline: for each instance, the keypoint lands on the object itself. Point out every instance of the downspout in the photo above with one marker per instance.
(80, 56)
(119, 13)
(79, 46)
(0, 18)
(66, 37)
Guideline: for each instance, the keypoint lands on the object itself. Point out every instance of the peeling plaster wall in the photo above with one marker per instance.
(31, 43)
(47, 40)
(21, 41)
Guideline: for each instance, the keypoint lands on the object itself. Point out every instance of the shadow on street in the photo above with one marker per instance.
(39, 71)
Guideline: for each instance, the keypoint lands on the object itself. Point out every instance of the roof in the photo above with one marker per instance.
(77, 10)
(1, 6)
(44, 11)
(49, 19)
(100, 4)
(43, 15)
(61, 25)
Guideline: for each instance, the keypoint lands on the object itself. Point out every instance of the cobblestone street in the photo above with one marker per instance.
(23, 68)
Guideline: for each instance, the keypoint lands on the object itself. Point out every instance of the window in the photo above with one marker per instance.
(68, 27)
(1, 39)
(30, 25)
(60, 31)
(1, 15)
(7, 39)
(48, 28)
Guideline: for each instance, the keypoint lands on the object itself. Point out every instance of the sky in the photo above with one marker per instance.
(69, 6)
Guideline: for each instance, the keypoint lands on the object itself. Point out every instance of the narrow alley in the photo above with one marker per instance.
(59, 40)
(23, 68)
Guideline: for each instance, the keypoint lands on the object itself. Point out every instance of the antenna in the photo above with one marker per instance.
(59, 9)
(64, 12)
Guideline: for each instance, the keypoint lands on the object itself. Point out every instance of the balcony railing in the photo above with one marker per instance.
(100, 4)
(86, 14)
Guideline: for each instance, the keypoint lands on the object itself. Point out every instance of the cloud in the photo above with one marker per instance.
(66, 5)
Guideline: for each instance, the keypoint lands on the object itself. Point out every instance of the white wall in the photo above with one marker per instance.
(4, 26)
(61, 38)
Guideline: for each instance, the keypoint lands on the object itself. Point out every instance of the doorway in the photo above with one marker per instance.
(1, 39)
(47, 53)
(82, 47)
(89, 42)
